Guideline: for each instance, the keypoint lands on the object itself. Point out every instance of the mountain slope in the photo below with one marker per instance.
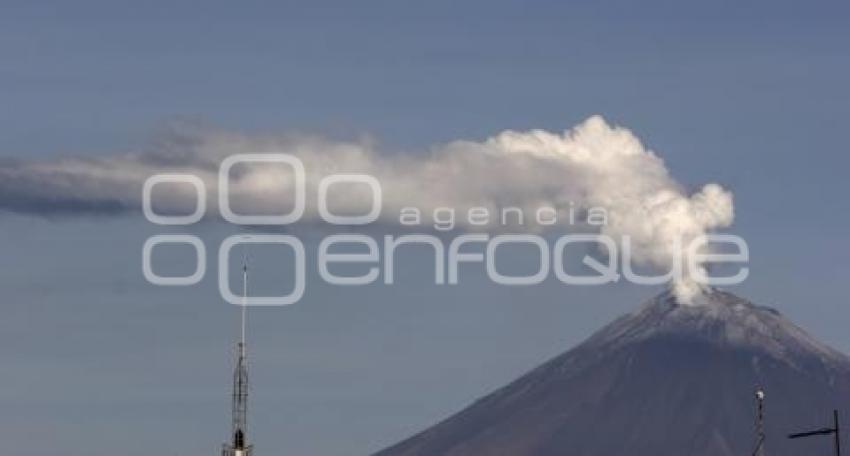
(666, 379)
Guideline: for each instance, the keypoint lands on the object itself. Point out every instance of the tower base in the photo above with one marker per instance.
(228, 450)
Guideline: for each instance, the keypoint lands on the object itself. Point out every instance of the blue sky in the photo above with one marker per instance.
(752, 96)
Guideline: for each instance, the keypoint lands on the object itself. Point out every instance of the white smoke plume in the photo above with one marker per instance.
(593, 164)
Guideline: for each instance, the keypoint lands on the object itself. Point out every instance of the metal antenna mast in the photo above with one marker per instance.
(760, 436)
(238, 445)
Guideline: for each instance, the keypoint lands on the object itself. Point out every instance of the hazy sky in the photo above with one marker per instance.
(96, 361)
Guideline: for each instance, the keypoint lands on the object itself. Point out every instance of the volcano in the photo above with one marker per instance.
(667, 379)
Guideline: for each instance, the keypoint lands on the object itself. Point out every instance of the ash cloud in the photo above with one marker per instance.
(594, 164)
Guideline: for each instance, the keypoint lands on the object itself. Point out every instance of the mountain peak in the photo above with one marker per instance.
(720, 318)
(666, 379)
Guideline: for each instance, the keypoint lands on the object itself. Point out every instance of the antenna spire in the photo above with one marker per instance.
(244, 298)
(238, 445)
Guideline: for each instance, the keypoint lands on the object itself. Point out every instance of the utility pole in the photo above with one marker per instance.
(834, 430)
